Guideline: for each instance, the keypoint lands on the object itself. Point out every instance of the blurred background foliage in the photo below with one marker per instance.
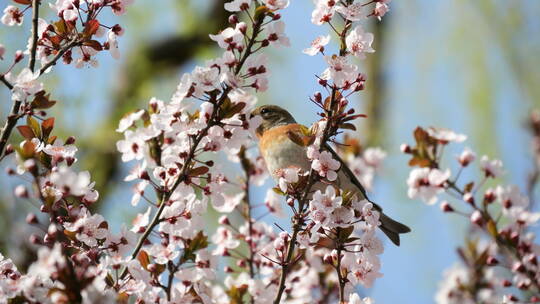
(471, 66)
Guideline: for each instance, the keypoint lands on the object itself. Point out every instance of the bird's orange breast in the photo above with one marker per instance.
(276, 136)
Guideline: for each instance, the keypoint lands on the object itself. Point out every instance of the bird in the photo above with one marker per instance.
(279, 152)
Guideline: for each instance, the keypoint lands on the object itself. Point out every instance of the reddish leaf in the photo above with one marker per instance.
(28, 149)
(23, 2)
(26, 132)
(94, 44)
(47, 126)
(91, 27)
(41, 101)
(199, 171)
(348, 126)
(143, 258)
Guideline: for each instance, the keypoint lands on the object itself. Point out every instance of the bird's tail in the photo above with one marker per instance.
(392, 228)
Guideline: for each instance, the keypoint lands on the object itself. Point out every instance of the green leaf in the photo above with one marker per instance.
(34, 124)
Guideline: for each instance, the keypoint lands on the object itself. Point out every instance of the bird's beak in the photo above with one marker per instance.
(255, 112)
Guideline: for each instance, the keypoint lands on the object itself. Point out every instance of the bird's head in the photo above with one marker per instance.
(272, 116)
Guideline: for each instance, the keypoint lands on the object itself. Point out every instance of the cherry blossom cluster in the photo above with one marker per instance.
(76, 33)
(502, 257)
(168, 254)
(337, 222)
(172, 142)
(76, 249)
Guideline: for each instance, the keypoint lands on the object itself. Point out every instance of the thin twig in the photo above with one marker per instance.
(33, 46)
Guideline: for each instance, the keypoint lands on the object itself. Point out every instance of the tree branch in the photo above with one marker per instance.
(14, 116)
(33, 46)
(214, 120)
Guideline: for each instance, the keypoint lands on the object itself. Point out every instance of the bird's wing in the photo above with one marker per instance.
(345, 169)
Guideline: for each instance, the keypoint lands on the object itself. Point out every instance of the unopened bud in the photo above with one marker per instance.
(476, 217)
(34, 239)
(20, 191)
(290, 202)
(323, 82)
(48, 239)
(19, 55)
(518, 267)
(228, 269)
(469, 198)
(492, 261)
(265, 43)
(489, 196)
(405, 148)
(9, 149)
(70, 160)
(506, 283)
(241, 263)
(31, 218)
(30, 165)
(210, 163)
(534, 299)
(317, 97)
(243, 28)
(10, 171)
(276, 17)
(445, 207)
(328, 258)
(70, 140)
(511, 298)
(223, 220)
(144, 175)
(2, 52)
(233, 19)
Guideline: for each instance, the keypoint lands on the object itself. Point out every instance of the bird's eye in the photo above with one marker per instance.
(265, 111)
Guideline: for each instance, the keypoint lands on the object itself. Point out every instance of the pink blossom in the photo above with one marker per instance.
(323, 11)
(491, 168)
(237, 5)
(276, 4)
(317, 45)
(325, 165)
(327, 201)
(230, 38)
(59, 150)
(12, 16)
(355, 299)
(287, 176)
(426, 184)
(381, 8)
(466, 157)
(359, 42)
(25, 84)
(128, 120)
(224, 239)
(340, 70)
(141, 220)
(446, 135)
(351, 12)
(273, 202)
(88, 228)
(276, 34)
